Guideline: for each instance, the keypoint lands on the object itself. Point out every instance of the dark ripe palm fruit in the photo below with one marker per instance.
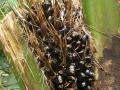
(75, 36)
(71, 69)
(89, 73)
(63, 31)
(40, 63)
(69, 58)
(46, 6)
(48, 72)
(58, 82)
(69, 40)
(88, 59)
(55, 64)
(62, 44)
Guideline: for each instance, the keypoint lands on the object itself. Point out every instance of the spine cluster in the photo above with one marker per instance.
(64, 44)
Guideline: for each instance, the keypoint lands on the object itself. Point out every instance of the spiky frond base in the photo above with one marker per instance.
(60, 41)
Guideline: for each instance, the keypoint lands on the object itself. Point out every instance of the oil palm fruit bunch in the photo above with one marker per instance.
(60, 42)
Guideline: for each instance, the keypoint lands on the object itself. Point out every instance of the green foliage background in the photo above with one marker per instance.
(7, 78)
(103, 20)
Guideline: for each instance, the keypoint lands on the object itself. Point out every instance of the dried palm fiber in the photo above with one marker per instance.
(118, 1)
(62, 44)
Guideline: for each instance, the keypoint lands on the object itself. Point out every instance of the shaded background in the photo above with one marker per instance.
(103, 20)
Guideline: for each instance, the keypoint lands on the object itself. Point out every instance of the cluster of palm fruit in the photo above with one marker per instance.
(58, 38)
